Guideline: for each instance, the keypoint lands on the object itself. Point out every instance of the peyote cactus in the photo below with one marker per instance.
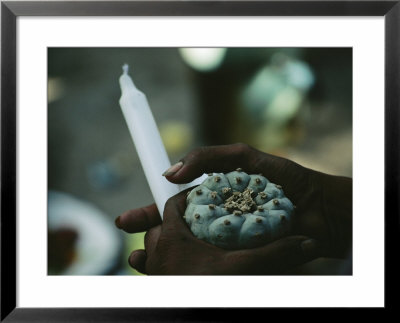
(238, 211)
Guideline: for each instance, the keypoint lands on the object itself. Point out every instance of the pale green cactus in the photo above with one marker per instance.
(238, 210)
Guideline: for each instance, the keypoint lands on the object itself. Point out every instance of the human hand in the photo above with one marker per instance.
(172, 249)
(307, 189)
(323, 202)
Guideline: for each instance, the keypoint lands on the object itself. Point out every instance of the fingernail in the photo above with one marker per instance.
(310, 248)
(118, 222)
(173, 169)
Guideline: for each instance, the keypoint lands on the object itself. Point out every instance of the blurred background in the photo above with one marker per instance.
(291, 102)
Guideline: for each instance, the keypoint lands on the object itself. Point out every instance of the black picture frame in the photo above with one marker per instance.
(11, 10)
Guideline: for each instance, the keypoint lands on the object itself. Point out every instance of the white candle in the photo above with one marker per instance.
(147, 140)
(148, 143)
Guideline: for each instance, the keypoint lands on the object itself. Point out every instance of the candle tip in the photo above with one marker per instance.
(125, 68)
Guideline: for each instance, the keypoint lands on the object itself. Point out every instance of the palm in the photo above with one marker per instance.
(303, 187)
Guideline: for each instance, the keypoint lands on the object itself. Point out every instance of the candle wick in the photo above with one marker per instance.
(125, 68)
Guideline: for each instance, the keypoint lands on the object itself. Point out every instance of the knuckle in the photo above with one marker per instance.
(170, 202)
(285, 165)
(147, 236)
(195, 153)
(244, 154)
(242, 148)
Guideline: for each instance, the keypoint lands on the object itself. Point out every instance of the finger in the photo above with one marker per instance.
(173, 213)
(293, 177)
(277, 257)
(139, 220)
(137, 260)
(212, 159)
(227, 158)
(151, 238)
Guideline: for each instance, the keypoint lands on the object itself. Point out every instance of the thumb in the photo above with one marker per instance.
(279, 256)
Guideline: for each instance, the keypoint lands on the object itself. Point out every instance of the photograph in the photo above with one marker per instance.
(189, 160)
(200, 160)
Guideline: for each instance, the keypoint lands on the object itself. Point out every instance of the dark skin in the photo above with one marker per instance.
(322, 224)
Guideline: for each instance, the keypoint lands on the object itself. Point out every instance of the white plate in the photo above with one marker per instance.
(98, 244)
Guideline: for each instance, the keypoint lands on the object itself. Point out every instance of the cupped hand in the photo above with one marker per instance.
(323, 202)
(171, 248)
(323, 213)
